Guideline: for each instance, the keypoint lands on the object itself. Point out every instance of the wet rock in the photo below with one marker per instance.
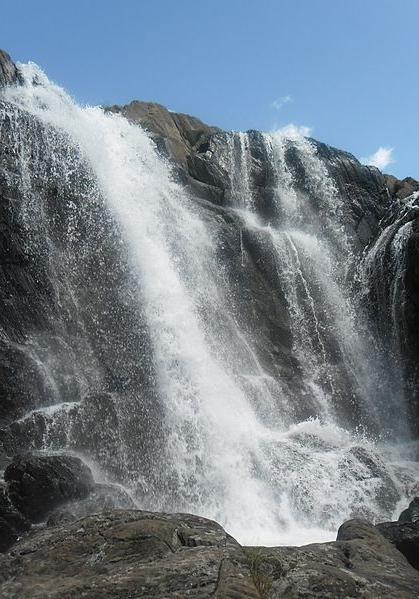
(411, 514)
(103, 497)
(392, 286)
(8, 70)
(405, 537)
(37, 484)
(369, 466)
(128, 554)
(356, 529)
(12, 522)
(8, 535)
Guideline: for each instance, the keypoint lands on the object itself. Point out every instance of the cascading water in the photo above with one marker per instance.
(382, 273)
(213, 431)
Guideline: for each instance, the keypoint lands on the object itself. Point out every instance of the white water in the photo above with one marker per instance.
(273, 484)
(382, 275)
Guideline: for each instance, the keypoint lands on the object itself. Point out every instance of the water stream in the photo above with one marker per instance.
(227, 444)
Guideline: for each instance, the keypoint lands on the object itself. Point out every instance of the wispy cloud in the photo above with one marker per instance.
(381, 158)
(278, 103)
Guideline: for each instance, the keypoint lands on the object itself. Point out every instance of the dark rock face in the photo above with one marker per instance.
(411, 514)
(38, 484)
(9, 75)
(12, 522)
(103, 497)
(392, 281)
(70, 297)
(405, 537)
(196, 147)
(69, 300)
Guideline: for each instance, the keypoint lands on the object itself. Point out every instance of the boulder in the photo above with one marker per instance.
(38, 484)
(356, 529)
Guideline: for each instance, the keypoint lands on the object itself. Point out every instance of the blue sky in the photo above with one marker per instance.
(347, 70)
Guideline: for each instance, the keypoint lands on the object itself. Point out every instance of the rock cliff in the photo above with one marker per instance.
(300, 269)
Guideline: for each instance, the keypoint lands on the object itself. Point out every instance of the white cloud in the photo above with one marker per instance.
(292, 131)
(280, 102)
(381, 158)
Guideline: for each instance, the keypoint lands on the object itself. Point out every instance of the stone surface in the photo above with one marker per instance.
(103, 497)
(364, 565)
(12, 522)
(37, 484)
(128, 554)
(401, 188)
(9, 74)
(393, 295)
(411, 513)
(176, 133)
(405, 537)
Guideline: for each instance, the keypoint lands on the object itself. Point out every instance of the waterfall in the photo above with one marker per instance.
(196, 421)
(382, 274)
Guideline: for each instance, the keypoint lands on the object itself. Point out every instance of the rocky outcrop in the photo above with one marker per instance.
(363, 564)
(128, 554)
(143, 554)
(9, 74)
(176, 134)
(401, 189)
(37, 484)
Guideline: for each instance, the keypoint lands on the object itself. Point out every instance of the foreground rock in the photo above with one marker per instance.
(38, 484)
(128, 554)
(364, 564)
(131, 553)
(52, 488)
